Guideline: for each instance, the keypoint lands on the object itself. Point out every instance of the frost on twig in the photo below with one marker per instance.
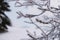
(54, 32)
(31, 35)
(26, 3)
(28, 15)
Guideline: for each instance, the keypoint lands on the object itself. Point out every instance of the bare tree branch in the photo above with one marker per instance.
(28, 15)
(37, 26)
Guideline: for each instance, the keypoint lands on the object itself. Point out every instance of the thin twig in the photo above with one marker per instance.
(37, 26)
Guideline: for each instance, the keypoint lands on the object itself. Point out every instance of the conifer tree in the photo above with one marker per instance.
(4, 20)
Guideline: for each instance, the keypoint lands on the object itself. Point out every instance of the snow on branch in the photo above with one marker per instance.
(31, 35)
(28, 15)
(55, 22)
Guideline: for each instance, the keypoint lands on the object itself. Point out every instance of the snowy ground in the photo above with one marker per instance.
(18, 29)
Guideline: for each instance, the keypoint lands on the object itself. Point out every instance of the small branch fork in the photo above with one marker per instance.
(28, 15)
(45, 35)
(50, 22)
(56, 10)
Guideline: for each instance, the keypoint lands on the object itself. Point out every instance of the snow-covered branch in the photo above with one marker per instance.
(55, 22)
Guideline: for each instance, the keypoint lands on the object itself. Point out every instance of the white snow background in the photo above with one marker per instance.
(19, 27)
